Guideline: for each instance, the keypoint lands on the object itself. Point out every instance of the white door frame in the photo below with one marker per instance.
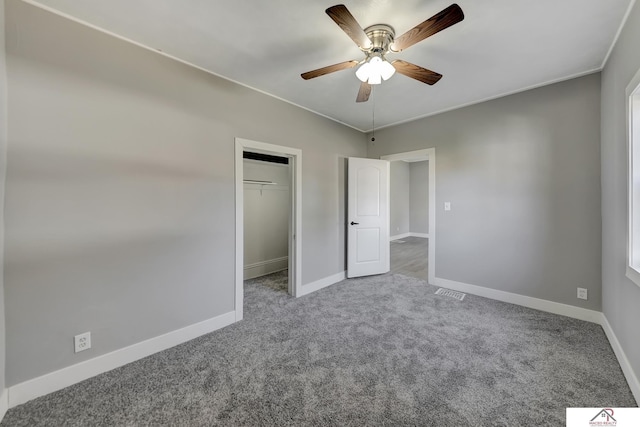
(295, 223)
(430, 155)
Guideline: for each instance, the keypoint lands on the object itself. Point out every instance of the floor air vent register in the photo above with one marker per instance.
(449, 293)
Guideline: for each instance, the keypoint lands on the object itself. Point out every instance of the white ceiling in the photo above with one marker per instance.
(501, 47)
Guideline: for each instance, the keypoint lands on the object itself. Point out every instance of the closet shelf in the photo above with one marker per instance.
(253, 181)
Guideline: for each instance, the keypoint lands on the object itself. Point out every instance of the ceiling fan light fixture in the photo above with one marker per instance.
(374, 70)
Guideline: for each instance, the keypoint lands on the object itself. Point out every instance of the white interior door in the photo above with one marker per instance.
(367, 217)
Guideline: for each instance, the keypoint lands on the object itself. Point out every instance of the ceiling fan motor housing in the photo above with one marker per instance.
(381, 36)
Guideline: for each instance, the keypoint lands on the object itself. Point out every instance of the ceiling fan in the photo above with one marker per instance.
(378, 40)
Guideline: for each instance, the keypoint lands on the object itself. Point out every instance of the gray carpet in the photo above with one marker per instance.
(382, 350)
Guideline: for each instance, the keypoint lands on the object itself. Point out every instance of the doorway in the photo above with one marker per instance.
(258, 185)
(267, 210)
(412, 218)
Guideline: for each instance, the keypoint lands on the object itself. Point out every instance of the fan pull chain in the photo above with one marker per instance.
(373, 120)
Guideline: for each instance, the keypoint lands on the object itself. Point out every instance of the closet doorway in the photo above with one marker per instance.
(268, 214)
(412, 213)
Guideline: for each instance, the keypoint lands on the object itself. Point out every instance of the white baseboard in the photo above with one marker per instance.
(4, 403)
(323, 283)
(262, 268)
(400, 236)
(531, 302)
(629, 374)
(423, 235)
(45, 384)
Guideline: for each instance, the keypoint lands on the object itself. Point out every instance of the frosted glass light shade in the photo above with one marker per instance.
(386, 70)
(375, 70)
(363, 72)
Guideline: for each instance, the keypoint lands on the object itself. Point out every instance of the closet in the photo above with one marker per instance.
(267, 209)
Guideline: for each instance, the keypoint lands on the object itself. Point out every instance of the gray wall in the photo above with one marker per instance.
(120, 190)
(419, 197)
(3, 170)
(409, 197)
(522, 174)
(266, 218)
(400, 199)
(620, 297)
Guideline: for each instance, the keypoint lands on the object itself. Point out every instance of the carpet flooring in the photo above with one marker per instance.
(382, 350)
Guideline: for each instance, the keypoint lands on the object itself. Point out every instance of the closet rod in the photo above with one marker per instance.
(253, 181)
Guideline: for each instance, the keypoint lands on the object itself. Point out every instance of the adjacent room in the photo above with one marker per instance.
(409, 217)
(309, 213)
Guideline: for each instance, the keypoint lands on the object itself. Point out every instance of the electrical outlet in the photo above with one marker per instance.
(582, 293)
(82, 342)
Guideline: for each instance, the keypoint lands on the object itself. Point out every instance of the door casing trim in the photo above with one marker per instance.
(430, 155)
(295, 223)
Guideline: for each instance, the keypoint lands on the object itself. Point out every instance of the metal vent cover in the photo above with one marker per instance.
(449, 293)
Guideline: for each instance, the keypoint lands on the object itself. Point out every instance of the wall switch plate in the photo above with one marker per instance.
(82, 342)
(447, 206)
(582, 293)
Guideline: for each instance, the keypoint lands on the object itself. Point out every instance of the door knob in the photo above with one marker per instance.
(354, 223)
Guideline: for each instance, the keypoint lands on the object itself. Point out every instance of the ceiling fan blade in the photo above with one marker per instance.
(364, 92)
(416, 72)
(438, 22)
(329, 69)
(345, 20)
